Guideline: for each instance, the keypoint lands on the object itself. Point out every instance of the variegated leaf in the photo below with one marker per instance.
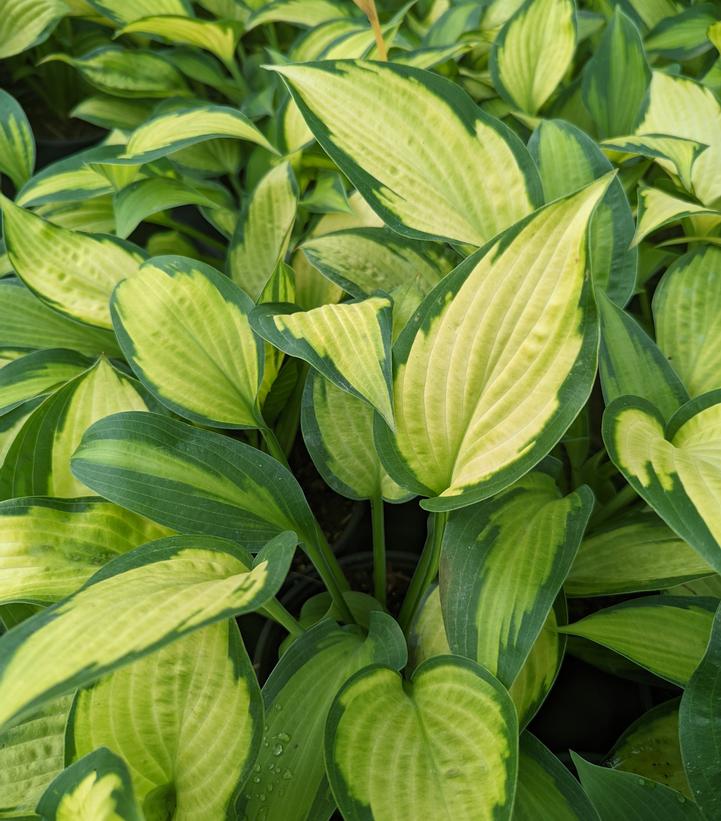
(665, 634)
(262, 234)
(438, 719)
(305, 13)
(73, 272)
(37, 373)
(657, 209)
(144, 600)
(26, 23)
(396, 132)
(38, 461)
(184, 329)
(502, 566)
(125, 11)
(190, 759)
(17, 144)
(497, 361)
(50, 547)
(687, 313)
(533, 51)
(347, 343)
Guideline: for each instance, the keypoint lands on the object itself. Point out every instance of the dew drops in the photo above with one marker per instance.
(278, 749)
(287, 775)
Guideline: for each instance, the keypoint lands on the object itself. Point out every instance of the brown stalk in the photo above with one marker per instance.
(368, 7)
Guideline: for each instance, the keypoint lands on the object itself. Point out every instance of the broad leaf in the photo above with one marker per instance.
(397, 133)
(665, 634)
(38, 461)
(497, 361)
(289, 781)
(546, 790)
(657, 209)
(17, 144)
(25, 23)
(700, 727)
(125, 11)
(191, 758)
(634, 554)
(302, 13)
(183, 327)
(37, 373)
(144, 600)
(502, 566)
(72, 272)
(457, 727)
(70, 179)
(263, 231)
(187, 126)
(26, 322)
(674, 468)
(686, 309)
(350, 344)
(31, 754)
(568, 159)
(631, 363)
(191, 480)
(533, 51)
(98, 787)
(338, 432)
(624, 795)
(616, 78)
(50, 547)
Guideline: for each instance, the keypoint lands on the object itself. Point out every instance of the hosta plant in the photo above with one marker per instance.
(454, 259)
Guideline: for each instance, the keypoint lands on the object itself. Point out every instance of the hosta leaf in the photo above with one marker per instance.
(616, 78)
(112, 112)
(348, 343)
(365, 260)
(665, 634)
(502, 566)
(50, 547)
(676, 470)
(38, 461)
(457, 727)
(25, 23)
(657, 209)
(700, 727)
(68, 180)
(263, 231)
(17, 144)
(498, 360)
(650, 747)
(125, 11)
(192, 480)
(31, 754)
(144, 599)
(338, 432)
(397, 132)
(11, 423)
(624, 795)
(93, 216)
(37, 373)
(191, 758)
(183, 127)
(97, 786)
(533, 51)
(219, 37)
(289, 781)
(676, 155)
(630, 362)
(568, 159)
(638, 553)
(546, 790)
(74, 273)
(184, 329)
(26, 322)
(305, 13)
(125, 73)
(686, 310)
(427, 633)
(149, 196)
(680, 107)
(686, 35)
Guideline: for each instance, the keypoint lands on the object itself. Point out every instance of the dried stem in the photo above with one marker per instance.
(368, 7)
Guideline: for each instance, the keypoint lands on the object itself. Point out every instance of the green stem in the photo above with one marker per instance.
(331, 574)
(274, 447)
(425, 571)
(275, 610)
(379, 550)
(622, 499)
(193, 233)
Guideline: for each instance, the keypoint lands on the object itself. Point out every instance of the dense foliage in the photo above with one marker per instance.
(460, 257)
